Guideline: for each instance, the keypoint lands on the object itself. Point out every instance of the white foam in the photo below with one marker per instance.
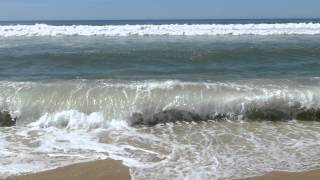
(101, 104)
(216, 150)
(73, 119)
(168, 29)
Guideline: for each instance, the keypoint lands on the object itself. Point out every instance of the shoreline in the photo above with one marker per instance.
(283, 175)
(114, 170)
(96, 170)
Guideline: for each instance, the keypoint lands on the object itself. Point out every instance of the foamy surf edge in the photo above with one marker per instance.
(165, 29)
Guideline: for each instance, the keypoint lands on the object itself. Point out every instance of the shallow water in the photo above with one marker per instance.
(74, 97)
(209, 150)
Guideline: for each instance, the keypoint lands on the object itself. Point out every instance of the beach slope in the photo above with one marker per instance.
(97, 170)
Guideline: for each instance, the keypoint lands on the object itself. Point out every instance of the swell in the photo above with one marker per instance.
(152, 102)
(238, 62)
(165, 29)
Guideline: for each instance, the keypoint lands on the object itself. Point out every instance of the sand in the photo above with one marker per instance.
(98, 170)
(309, 175)
(114, 170)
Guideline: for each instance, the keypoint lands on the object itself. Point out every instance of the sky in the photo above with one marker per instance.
(156, 9)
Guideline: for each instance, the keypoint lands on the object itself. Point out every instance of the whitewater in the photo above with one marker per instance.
(195, 100)
(63, 122)
(160, 30)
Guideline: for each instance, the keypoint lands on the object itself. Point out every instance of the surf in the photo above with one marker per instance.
(152, 102)
(161, 30)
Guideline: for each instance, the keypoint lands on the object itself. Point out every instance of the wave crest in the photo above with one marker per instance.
(72, 104)
(166, 29)
(77, 120)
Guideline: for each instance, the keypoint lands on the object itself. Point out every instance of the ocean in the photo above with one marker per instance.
(172, 99)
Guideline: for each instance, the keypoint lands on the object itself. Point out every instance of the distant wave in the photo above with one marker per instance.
(169, 29)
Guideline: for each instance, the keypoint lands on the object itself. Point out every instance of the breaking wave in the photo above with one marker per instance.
(65, 121)
(165, 29)
(100, 103)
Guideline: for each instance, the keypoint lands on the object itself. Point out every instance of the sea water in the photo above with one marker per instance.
(73, 87)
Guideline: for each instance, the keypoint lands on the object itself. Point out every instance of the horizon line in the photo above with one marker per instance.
(165, 19)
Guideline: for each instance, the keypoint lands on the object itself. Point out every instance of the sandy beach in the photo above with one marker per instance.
(173, 99)
(308, 175)
(115, 170)
(97, 170)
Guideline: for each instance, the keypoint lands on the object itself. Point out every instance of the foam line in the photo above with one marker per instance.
(165, 29)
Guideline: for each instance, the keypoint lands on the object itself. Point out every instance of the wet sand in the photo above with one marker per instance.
(97, 170)
(308, 175)
(115, 170)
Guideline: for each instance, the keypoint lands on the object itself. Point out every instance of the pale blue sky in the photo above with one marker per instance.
(156, 9)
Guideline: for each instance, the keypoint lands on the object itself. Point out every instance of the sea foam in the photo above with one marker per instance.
(165, 29)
